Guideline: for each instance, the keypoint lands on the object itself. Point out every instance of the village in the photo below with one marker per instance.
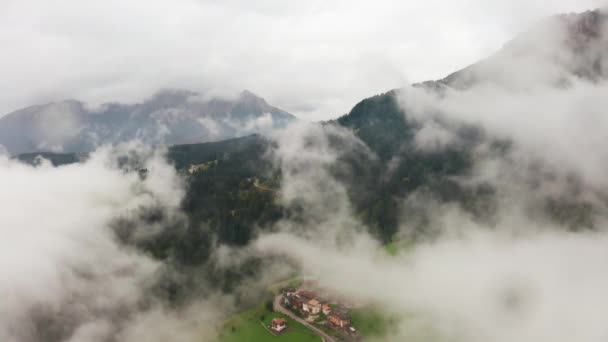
(317, 310)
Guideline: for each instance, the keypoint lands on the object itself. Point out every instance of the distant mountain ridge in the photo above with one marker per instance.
(169, 117)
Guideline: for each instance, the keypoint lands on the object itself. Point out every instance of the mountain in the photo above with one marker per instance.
(56, 159)
(225, 202)
(553, 52)
(377, 187)
(232, 185)
(169, 117)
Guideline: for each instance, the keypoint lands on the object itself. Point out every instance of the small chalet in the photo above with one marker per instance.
(313, 307)
(339, 320)
(326, 309)
(278, 324)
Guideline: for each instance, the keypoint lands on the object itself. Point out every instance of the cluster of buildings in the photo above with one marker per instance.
(310, 306)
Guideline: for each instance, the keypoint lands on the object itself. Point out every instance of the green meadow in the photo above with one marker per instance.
(249, 326)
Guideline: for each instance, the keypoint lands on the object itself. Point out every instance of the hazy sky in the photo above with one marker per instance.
(313, 58)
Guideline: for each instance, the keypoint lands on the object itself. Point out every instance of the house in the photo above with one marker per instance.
(288, 291)
(308, 295)
(312, 307)
(278, 324)
(294, 302)
(339, 320)
(326, 309)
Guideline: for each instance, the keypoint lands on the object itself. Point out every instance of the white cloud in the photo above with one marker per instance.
(433, 137)
(562, 127)
(485, 286)
(517, 279)
(64, 276)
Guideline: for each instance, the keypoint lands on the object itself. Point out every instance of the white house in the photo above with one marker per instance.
(278, 324)
(312, 307)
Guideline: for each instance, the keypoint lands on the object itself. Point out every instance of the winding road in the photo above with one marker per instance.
(276, 305)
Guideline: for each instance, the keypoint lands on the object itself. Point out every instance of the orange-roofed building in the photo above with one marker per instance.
(339, 320)
(313, 307)
(278, 324)
(326, 309)
(306, 294)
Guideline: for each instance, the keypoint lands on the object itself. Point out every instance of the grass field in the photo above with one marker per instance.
(246, 327)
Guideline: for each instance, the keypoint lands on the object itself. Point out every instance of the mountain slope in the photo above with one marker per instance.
(552, 52)
(169, 117)
(224, 199)
(56, 159)
(559, 50)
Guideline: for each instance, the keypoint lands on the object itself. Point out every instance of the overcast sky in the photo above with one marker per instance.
(314, 58)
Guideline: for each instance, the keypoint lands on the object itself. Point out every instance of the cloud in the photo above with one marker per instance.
(482, 287)
(216, 127)
(315, 59)
(65, 276)
(518, 277)
(310, 157)
(59, 123)
(562, 128)
(434, 137)
(543, 93)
